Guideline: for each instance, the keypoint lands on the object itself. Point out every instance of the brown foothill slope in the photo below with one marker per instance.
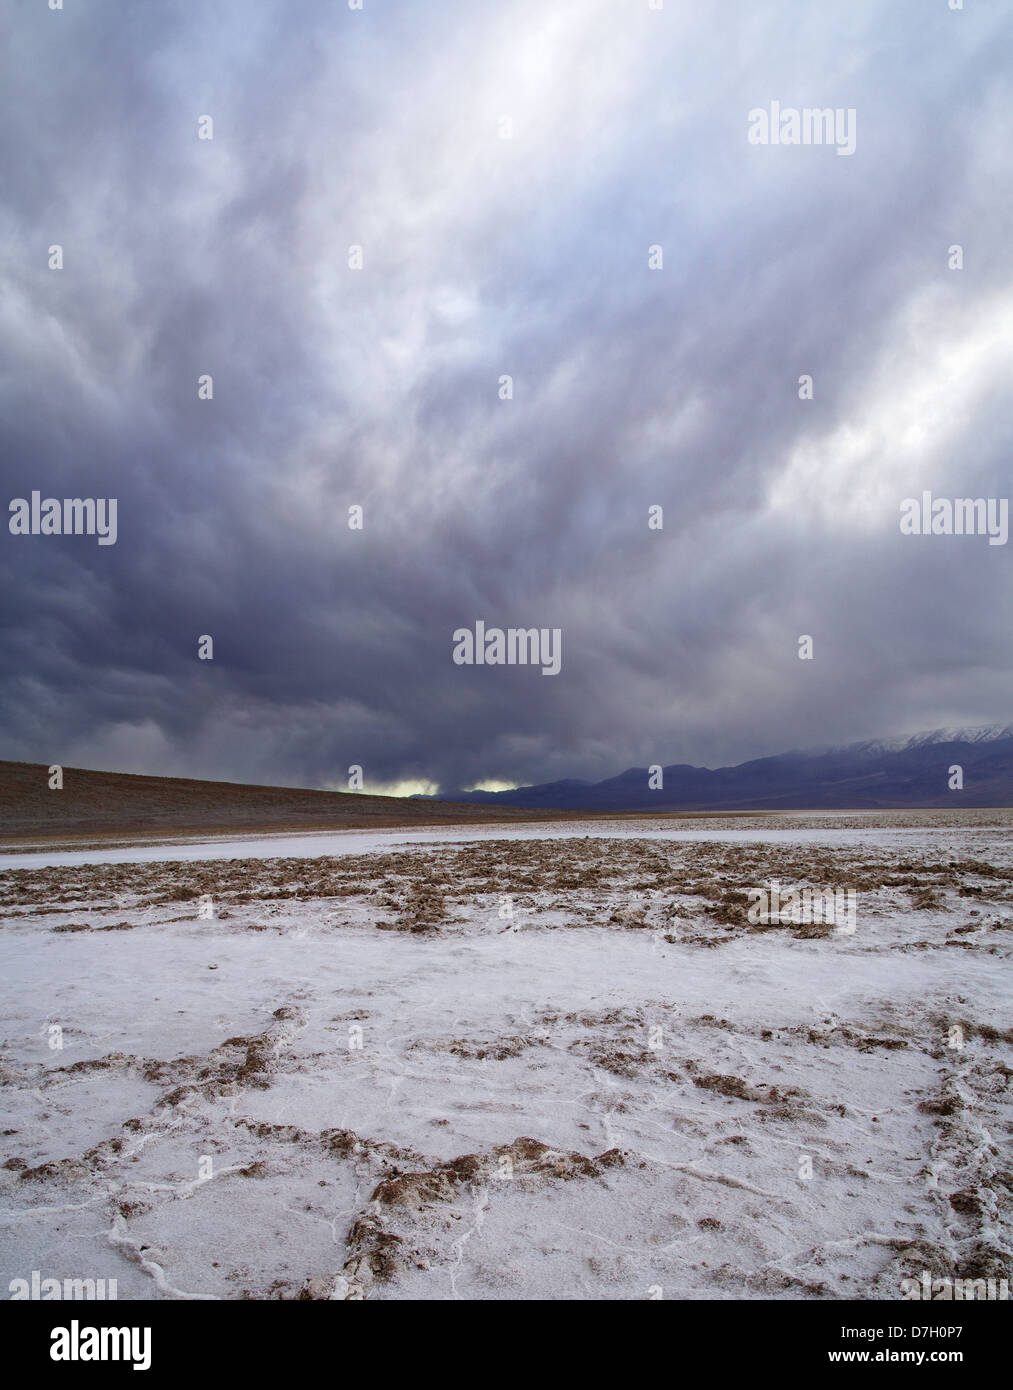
(106, 803)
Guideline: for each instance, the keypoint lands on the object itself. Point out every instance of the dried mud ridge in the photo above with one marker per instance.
(970, 1166)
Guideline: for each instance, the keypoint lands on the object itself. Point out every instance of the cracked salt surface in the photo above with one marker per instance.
(612, 1090)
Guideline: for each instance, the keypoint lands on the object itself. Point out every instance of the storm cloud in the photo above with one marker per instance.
(506, 171)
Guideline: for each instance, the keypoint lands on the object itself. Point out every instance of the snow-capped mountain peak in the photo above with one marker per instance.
(979, 733)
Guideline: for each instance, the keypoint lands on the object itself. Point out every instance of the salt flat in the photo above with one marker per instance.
(509, 1063)
(770, 827)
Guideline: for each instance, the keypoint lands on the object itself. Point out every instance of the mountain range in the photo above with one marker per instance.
(914, 771)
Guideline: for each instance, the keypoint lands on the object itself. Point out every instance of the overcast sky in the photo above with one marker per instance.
(485, 256)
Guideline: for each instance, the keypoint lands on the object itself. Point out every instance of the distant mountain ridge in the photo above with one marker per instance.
(911, 771)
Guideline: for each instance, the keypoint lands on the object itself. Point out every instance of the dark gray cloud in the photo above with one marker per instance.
(482, 257)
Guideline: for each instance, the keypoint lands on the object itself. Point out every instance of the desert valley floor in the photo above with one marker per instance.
(510, 1062)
